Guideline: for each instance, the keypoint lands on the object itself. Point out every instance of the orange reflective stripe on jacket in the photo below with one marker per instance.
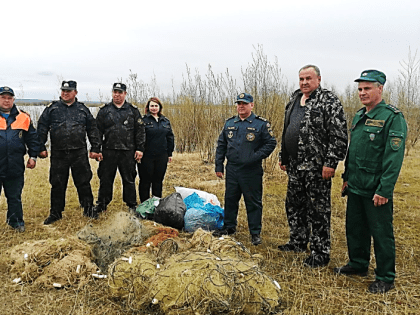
(3, 124)
(23, 121)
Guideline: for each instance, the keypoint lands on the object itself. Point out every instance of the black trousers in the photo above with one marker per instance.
(152, 171)
(246, 182)
(62, 161)
(124, 161)
(13, 192)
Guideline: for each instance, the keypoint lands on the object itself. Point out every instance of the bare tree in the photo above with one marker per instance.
(408, 96)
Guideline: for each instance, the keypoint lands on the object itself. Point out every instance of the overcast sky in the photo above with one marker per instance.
(98, 42)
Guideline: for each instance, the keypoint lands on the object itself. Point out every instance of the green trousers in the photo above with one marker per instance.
(363, 221)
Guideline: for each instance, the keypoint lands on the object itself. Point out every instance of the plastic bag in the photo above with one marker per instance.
(185, 192)
(199, 215)
(146, 209)
(171, 211)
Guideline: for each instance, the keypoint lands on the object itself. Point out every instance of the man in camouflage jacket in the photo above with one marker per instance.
(314, 140)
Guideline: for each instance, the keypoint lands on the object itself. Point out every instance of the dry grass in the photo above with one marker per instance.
(304, 291)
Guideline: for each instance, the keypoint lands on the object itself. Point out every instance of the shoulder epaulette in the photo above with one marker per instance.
(103, 105)
(133, 106)
(230, 118)
(261, 118)
(52, 103)
(393, 108)
(360, 110)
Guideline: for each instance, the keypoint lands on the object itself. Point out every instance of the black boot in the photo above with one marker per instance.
(100, 207)
(90, 211)
(53, 217)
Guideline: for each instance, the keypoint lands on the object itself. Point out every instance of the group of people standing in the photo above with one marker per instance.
(119, 137)
(314, 140)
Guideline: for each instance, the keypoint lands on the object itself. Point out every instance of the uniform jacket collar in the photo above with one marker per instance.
(65, 104)
(371, 114)
(160, 117)
(249, 119)
(125, 105)
(14, 111)
(375, 110)
(313, 98)
(314, 95)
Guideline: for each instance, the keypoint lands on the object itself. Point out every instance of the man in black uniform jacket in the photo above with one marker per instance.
(122, 136)
(68, 121)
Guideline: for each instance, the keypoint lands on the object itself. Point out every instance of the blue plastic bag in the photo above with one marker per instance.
(199, 215)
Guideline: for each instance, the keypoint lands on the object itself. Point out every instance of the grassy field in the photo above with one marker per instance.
(304, 290)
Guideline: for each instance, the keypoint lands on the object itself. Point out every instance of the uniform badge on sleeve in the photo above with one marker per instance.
(396, 143)
(250, 136)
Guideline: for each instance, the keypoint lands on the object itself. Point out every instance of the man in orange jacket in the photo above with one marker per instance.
(17, 135)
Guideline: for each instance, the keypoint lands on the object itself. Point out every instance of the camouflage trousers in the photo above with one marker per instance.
(308, 209)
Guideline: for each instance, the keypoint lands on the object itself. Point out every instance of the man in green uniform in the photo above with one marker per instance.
(372, 166)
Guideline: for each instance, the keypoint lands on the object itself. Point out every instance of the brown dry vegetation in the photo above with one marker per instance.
(197, 113)
(304, 290)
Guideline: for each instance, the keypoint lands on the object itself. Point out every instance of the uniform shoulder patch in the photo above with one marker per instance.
(396, 143)
(393, 108)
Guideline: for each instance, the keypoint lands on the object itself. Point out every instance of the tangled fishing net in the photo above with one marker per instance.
(120, 232)
(152, 268)
(48, 263)
(200, 276)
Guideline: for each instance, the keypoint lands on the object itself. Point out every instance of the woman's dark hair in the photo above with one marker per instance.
(156, 100)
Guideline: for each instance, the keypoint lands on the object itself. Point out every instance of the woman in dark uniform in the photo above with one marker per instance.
(158, 150)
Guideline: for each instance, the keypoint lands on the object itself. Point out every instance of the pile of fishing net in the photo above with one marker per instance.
(109, 240)
(196, 276)
(52, 263)
(152, 269)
